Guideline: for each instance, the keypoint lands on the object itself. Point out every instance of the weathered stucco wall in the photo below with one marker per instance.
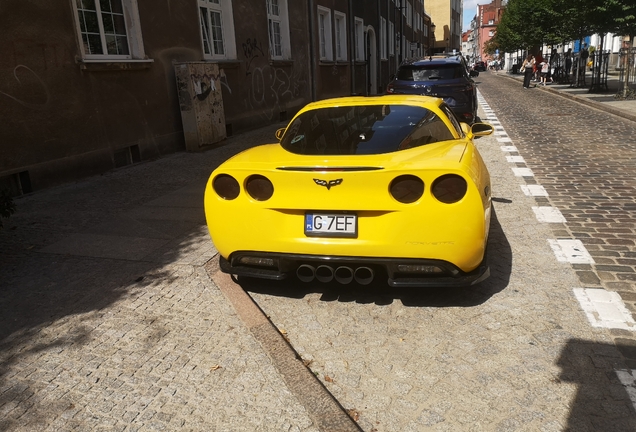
(62, 120)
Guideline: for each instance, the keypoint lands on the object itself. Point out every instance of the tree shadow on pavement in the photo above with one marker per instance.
(56, 289)
(499, 255)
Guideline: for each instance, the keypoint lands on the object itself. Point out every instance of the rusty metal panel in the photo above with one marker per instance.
(201, 104)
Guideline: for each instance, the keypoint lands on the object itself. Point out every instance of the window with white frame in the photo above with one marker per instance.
(340, 33)
(278, 28)
(109, 29)
(391, 38)
(217, 29)
(324, 34)
(383, 54)
(359, 41)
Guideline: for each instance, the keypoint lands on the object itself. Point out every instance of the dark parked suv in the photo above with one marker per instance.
(446, 77)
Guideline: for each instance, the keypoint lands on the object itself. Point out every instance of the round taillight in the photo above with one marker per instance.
(449, 188)
(407, 188)
(259, 187)
(226, 186)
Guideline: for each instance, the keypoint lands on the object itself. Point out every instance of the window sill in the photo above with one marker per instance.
(224, 63)
(114, 65)
(333, 63)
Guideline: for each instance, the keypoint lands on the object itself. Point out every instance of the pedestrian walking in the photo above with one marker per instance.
(545, 71)
(555, 66)
(528, 69)
(568, 62)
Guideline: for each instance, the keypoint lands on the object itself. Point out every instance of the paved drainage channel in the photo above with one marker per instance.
(322, 407)
(603, 309)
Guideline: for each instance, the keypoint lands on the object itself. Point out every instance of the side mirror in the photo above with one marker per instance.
(279, 133)
(481, 129)
(391, 77)
(474, 73)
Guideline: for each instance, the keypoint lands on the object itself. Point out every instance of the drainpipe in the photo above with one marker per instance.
(378, 49)
(312, 55)
(352, 43)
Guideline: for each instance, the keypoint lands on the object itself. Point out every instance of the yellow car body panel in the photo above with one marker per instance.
(425, 229)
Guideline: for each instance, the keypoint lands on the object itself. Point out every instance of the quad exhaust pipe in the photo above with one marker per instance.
(306, 273)
(342, 274)
(363, 275)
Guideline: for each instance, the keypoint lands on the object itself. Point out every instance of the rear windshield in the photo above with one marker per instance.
(429, 72)
(371, 129)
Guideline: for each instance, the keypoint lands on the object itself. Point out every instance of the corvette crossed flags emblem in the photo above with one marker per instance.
(328, 184)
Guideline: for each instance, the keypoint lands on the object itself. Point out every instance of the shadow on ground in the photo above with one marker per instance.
(41, 291)
(606, 393)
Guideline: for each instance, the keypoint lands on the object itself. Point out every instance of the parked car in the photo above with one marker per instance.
(446, 77)
(479, 66)
(357, 188)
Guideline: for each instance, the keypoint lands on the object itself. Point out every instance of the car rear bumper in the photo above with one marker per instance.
(400, 272)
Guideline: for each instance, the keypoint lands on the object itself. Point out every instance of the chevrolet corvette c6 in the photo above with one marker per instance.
(357, 188)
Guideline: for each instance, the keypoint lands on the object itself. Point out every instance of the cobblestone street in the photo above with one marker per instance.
(586, 160)
(515, 353)
(112, 317)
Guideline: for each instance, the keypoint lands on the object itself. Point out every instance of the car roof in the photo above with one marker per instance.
(434, 59)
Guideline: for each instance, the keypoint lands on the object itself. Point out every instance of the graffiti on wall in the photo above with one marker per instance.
(33, 85)
(252, 50)
(267, 87)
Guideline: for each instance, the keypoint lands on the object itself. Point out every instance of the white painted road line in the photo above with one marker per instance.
(523, 172)
(627, 377)
(570, 251)
(549, 214)
(534, 190)
(604, 309)
(515, 159)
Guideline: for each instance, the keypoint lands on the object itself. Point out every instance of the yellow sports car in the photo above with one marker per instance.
(357, 188)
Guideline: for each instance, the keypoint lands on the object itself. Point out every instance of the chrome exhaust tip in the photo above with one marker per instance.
(363, 275)
(343, 275)
(306, 273)
(324, 273)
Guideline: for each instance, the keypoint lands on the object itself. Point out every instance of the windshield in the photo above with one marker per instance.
(429, 72)
(371, 129)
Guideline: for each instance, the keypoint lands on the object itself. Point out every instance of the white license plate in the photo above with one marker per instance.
(331, 224)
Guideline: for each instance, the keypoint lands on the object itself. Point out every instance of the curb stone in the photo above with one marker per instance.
(322, 407)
